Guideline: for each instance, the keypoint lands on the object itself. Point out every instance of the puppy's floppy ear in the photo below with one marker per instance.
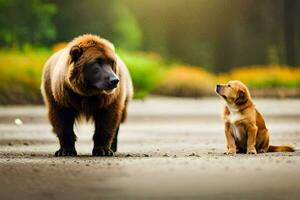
(75, 53)
(241, 98)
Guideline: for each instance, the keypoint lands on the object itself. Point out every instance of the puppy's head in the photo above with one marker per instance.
(93, 67)
(234, 93)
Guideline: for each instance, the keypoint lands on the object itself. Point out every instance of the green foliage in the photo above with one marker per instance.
(146, 70)
(109, 19)
(211, 33)
(128, 33)
(219, 35)
(26, 22)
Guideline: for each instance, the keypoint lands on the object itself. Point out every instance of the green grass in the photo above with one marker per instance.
(20, 76)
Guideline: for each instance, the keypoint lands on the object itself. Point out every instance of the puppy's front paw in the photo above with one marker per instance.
(231, 151)
(251, 151)
(262, 151)
(102, 151)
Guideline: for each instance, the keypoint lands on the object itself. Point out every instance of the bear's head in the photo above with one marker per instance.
(92, 66)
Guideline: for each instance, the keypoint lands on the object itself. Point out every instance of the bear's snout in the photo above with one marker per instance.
(113, 81)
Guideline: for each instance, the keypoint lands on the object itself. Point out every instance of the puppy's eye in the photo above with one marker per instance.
(229, 85)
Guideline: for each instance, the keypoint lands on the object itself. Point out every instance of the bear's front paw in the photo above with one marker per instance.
(251, 151)
(102, 151)
(66, 152)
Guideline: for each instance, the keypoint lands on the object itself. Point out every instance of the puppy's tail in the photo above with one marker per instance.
(280, 149)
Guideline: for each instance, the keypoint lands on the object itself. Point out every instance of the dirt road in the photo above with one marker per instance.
(168, 149)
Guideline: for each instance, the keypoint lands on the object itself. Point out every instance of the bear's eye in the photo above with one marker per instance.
(95, 70)
(111, 62)
(100, 61)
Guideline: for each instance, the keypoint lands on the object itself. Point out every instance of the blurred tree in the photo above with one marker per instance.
(109, 19)
(214, 34)
(219, 34)
(290, 9)
(128, 32)
(26, 22)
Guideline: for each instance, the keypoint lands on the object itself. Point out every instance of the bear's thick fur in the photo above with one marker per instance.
(86, 79)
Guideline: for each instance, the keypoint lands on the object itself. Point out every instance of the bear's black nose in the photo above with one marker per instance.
(113, 80)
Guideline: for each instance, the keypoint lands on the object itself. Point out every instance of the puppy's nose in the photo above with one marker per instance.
(113, 80)
(218, 87)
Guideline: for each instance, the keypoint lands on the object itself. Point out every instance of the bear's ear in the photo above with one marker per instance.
(241, 98)
(75, 53)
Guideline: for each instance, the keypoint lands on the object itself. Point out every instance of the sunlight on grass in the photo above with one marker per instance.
(263, 76)
(21, 75)
(186, 81)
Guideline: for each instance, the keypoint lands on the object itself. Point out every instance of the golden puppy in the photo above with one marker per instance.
(245, 128)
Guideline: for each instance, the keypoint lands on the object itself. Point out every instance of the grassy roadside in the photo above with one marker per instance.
(21, 75)
(263, 80)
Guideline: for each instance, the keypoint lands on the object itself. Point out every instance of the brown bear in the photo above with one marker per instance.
(86, 79)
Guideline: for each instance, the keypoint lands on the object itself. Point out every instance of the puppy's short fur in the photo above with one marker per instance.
(86, 79)
(245, 128)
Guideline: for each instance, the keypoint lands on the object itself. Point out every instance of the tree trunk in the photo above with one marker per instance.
(289, 31)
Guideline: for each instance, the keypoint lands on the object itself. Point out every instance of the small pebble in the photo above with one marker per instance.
(18, 122)
(36, 170)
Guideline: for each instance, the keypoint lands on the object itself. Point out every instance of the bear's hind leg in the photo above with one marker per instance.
(114, 145)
